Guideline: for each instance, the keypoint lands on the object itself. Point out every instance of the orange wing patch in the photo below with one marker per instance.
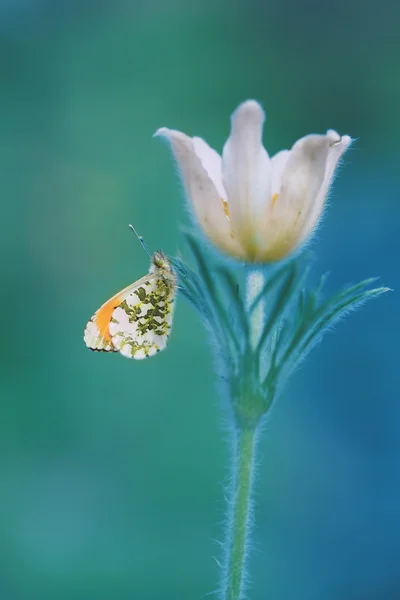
(97, 335)
(103, 316)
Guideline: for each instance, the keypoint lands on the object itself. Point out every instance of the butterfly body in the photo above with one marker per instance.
(137, 321)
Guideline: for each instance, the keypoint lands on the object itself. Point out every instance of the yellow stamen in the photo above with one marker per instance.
(225, 207)
(226, 212)
(274, 197)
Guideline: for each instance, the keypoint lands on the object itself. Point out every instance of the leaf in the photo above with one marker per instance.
(236, 303)
(321, 284)
(217, 314)
(279, 335)
(189, 286)
(355, 288)
(333, 313)
(288, 291)
(325, 317)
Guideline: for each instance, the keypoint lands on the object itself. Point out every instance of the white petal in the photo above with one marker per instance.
(205, 199)
(337, 146)
(212, 162)
(301, 181)
(336, 150)
(246, 171)
(278, 163)
(305, 180)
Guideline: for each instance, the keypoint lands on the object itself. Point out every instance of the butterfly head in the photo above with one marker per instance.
(160, 261)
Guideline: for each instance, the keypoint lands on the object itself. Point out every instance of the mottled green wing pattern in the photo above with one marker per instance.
(141, 324)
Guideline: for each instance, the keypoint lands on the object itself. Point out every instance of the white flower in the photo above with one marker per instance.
(253, 207)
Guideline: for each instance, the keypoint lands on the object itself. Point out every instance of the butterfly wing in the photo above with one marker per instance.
(141, 323)
(97, 335)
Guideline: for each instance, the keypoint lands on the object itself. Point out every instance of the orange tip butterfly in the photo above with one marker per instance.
(137, 321)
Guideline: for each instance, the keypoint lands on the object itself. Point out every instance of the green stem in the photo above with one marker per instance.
(255, 283)
(239, 522)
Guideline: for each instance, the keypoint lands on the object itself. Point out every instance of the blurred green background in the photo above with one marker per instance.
(112, 472)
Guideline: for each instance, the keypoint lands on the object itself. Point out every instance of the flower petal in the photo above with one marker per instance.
(301, 180)
(303, 174)
(338, 145)
(212, 162)
(337, 148)
(246, 172)
(278, 163)
(305, 181)
(205, 199)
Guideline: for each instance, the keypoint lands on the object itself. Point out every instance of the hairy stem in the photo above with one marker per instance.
(255, 283)
(239, 522)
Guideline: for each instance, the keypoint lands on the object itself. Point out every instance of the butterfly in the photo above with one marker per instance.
(137, 321)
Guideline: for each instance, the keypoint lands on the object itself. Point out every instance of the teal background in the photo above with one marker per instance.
(112, 472)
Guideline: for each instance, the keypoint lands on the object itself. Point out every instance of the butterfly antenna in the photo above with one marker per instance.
(141, 240)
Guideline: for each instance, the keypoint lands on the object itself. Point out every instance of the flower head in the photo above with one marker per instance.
(253, 207)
